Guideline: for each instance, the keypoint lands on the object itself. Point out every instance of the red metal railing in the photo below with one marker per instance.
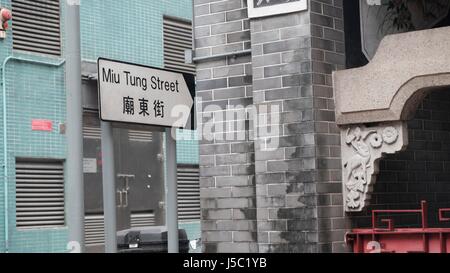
(401, 240)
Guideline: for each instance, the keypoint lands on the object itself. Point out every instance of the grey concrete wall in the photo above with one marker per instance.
(421, 172)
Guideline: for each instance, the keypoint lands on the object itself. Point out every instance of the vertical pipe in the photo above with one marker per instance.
(109, 188)
(5, 157)
(74, 163)
(172, 211)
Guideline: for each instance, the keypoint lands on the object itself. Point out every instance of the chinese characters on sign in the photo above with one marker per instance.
(139, 94)
(159, 108)
(128, 107)
(143, 104)
(260, 8)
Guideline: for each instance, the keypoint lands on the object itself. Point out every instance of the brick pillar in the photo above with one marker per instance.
(298, 188)
(285, 189)
(327, 55)
(226, 158)
(286, 199)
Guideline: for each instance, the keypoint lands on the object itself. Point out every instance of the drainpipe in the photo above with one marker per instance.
(5, 134)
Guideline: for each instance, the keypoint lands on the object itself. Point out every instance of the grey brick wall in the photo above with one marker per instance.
(298, 186)
(282, 78)
(226, 155)
(421, 172)
(287, 199)
(327, 55)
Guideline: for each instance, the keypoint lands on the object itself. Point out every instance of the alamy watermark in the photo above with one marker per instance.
(227, 123)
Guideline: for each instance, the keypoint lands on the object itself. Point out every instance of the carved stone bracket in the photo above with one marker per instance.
(362, 147)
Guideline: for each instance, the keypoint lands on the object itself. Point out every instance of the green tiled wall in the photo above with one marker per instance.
(193, 231)
(33, 91)
(129, 31)
(187, 147)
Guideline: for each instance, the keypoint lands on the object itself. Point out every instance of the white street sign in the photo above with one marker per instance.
(139, 94)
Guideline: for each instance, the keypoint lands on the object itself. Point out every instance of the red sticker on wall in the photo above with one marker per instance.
(41, 125)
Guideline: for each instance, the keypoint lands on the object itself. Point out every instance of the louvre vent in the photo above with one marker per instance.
(39, 194)
(140, 136)
(94, 229)
(142, 219)
(36, 26)
(177, 38)
(92, 132)
(188, 194)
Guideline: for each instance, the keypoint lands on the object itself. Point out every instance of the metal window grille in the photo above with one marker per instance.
(188, 190)
(36, 26)
(94, 229)
(142, 219)
(92, 132)
(177, 38)
(39, 193)
(140, 136)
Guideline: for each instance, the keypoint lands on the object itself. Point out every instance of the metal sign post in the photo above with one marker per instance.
(109, 188)
(172, 210)
(131, 93)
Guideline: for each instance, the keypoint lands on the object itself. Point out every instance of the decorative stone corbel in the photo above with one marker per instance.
(362, 147)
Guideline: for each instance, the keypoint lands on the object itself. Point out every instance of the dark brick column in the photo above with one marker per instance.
(298, 187)
(327, 55)
(285, 189)
(286, 199)
(226, 155)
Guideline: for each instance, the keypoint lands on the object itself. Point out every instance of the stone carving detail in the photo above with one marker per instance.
(362, 147)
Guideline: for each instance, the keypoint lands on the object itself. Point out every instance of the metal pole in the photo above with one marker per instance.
(109, 188)
(172, 215)
(74, 162)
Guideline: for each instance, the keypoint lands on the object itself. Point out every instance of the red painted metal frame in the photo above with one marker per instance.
(401, 240)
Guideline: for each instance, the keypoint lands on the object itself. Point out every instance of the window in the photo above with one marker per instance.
(36, 26)
(39, 193)
(177, 38)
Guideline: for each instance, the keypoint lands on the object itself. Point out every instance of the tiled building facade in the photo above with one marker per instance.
(131, 31)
